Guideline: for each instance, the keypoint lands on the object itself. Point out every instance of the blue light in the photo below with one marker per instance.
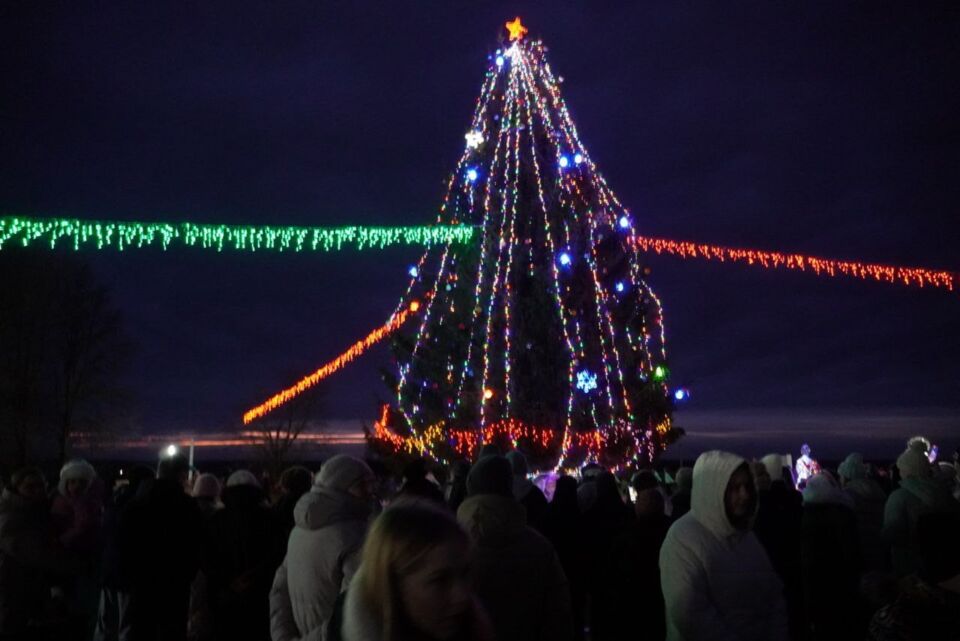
(564, 162)
(413, 271)
(586, 381)
(565, 259)
(624, 222)
(621, 287)
(499, 61)
(472, 174)
(682, 394)
(578, 158)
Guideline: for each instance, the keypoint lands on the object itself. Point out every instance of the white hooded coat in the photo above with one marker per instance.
(717, 581)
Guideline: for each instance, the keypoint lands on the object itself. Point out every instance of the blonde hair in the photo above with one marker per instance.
(398, 541)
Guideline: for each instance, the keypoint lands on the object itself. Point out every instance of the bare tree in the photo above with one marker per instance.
(277, 433)
(62, 353)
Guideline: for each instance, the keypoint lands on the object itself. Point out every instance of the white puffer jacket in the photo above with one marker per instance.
(323, 553)
(717, 581)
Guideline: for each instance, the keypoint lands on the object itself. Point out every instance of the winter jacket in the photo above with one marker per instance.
(868, 506)
(77, 521)
(30, 556)
(830, 550)
(518, 576)
(243, 551)
(323, 553)
(915, 497)
(160, 543)
(717, 581)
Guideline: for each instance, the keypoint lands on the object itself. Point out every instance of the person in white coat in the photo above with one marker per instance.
(323, 551)
(717, 581)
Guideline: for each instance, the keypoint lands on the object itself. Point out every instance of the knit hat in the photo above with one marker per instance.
(491, 475)
(913, 464)
(342, 472)
(852, 467)
(518, 463)
(207, 486)
(77, 469)
(242, 477)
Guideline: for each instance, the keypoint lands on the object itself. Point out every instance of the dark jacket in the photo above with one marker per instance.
(519, 578)
(244, 548)
(831, 562)
(160, 542)
(30, 558)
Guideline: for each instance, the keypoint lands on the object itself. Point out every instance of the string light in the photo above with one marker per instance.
(915, 276)
(125, 235)
(355, 350)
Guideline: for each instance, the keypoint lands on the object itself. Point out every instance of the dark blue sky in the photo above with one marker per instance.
(828, 128)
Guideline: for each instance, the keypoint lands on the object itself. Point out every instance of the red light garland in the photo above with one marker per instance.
(355, 350)
(912, 276)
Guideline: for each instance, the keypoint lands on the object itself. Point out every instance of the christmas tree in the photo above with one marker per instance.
(543, 335)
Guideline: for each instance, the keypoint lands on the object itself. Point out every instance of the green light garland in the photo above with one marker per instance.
(123, 235)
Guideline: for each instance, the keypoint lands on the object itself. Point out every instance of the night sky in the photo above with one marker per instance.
(828, 128)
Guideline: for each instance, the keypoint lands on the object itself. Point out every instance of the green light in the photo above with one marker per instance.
(660, 373)
(124, 235)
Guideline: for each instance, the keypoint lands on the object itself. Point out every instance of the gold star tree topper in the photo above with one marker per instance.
(516, 29)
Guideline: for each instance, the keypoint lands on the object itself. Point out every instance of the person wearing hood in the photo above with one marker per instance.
(206, 493)
(868, 503)
(76, 509)
(917, 495)
(718, 583)
(414, 580)
(160, 554)
(457, 489)
(830, 553)
(323, 550)
(244, 548)
(529, 495)
(31, 555)
(518, 576)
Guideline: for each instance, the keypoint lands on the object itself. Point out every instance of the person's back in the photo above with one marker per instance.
(919, 494)
(160, 540)
(323, 550)
(830, 551)
(717, 581)
(244, 548)
(518, 575)
(868, 505)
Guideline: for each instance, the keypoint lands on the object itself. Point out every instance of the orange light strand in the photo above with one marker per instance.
(336, 364)
(913, 276)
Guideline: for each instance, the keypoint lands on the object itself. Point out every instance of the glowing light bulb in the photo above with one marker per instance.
(500, 61)
(170, 450)
(472, 174)
(620, 287)
(564, 162)
(565, 259)
(578, 158)
(487, 394)
(414, 306)
(474, 139)
(624, 222)
(413, 271)
(659, 373)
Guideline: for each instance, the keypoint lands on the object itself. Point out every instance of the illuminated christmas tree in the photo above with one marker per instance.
(542, 334)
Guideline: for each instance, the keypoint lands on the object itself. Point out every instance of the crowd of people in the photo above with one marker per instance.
(728, 550)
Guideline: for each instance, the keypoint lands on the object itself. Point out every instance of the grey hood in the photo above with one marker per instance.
(322, 506)
(492, 520)
(711, 474)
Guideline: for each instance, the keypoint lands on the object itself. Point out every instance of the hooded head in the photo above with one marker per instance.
(206, 487)
(684, 479)
(75, 477)
(821, 489)
(724, 498)
(491, 475)
(913, 463)
(852, 468)
(774, 465)
(518, 462)
(343, 472)
(760, 475)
